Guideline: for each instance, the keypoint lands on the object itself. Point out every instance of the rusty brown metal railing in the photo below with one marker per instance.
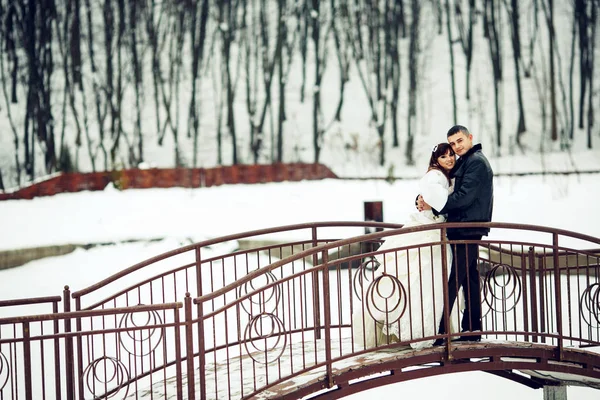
(289, 318)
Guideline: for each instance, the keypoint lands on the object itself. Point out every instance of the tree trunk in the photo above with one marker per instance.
(75, 43)
(397, 23)
(413, 65)
(304, 21)
(316, 37)
(281, 117)
(452, 80)
(553, 111)
(138, 80)
(227, 16)
(571, 71)
(514, 15)
(492, 25)
(584, 54)
(465, 34)
(594, 23)
(198, 38)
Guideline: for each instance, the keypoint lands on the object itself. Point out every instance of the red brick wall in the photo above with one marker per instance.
(173, 177)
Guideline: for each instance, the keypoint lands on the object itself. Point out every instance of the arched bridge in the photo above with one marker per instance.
(285, 313)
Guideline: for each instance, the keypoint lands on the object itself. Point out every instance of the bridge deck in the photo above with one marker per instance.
(356, 368)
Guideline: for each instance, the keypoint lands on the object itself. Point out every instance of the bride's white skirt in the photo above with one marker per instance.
(403, 299)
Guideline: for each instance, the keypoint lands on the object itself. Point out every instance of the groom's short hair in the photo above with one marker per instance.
(456, 129)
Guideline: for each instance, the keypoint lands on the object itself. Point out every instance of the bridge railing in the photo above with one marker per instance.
(122, 350)
(254, 318)
(281, 322)
(206, 266)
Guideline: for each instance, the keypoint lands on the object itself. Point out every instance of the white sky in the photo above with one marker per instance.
(183, 215)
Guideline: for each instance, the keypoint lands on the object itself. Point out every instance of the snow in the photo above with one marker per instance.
(176, 217)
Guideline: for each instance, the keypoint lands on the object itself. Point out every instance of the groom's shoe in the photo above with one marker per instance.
(439, 342)
(472, 338)
(468, 339)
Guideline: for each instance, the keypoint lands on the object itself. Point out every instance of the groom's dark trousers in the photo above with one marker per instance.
(464, 274)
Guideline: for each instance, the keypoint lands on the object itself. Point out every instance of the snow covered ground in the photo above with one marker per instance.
(181, 216)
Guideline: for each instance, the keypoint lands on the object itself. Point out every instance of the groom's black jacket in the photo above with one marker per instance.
(473, 197)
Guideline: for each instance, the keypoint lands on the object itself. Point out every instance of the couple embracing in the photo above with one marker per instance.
(403, 300)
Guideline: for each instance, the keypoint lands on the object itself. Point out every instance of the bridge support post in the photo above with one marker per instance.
(373, 212)
(555, 392)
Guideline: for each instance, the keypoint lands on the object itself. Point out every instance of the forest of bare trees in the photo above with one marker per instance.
(103, 84)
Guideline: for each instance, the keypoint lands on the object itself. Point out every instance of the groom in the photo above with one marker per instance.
(471, 201)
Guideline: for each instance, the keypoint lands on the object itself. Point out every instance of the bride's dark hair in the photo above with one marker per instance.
(438, 151)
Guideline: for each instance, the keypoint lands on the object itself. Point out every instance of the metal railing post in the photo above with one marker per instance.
(316, 293)
(27, 360)
(533, 294)
(78, 328)
(327, 311)
(199, 312)
(189, 347)
(178, 372)
(57, 371)
(69, 357)
(557, 290)
(445, 283)
(541, 263)
(201, 352)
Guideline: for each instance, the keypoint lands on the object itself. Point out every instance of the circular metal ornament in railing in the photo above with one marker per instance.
(140, 342)
(386, 299)
(269, 297)
(589, 305)
(4, 371)
(264, 338)
(502, 288)
(364, 273)
(106, 375)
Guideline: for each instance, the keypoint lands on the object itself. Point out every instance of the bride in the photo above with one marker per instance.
(402, 299)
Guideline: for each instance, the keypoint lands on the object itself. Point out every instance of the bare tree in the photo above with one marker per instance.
(284, 62)
(582, 18)
(548, 7)
(465, 34)
(343, 57)
(36, 33)
(304, 22)
(413, 53)
(534, 27)
(101, 102)
(451, 48)
(75, 41)
(153, 25)
(197, 41)
(267, 63)
(514, 16)
(227, 27)
(7, 41)
(371, 70)
(571, 71)
(439, 13)
(492, 25)
(319, 65)
(595, 5)
(134, 22)
(395, 25)
(69, 92)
